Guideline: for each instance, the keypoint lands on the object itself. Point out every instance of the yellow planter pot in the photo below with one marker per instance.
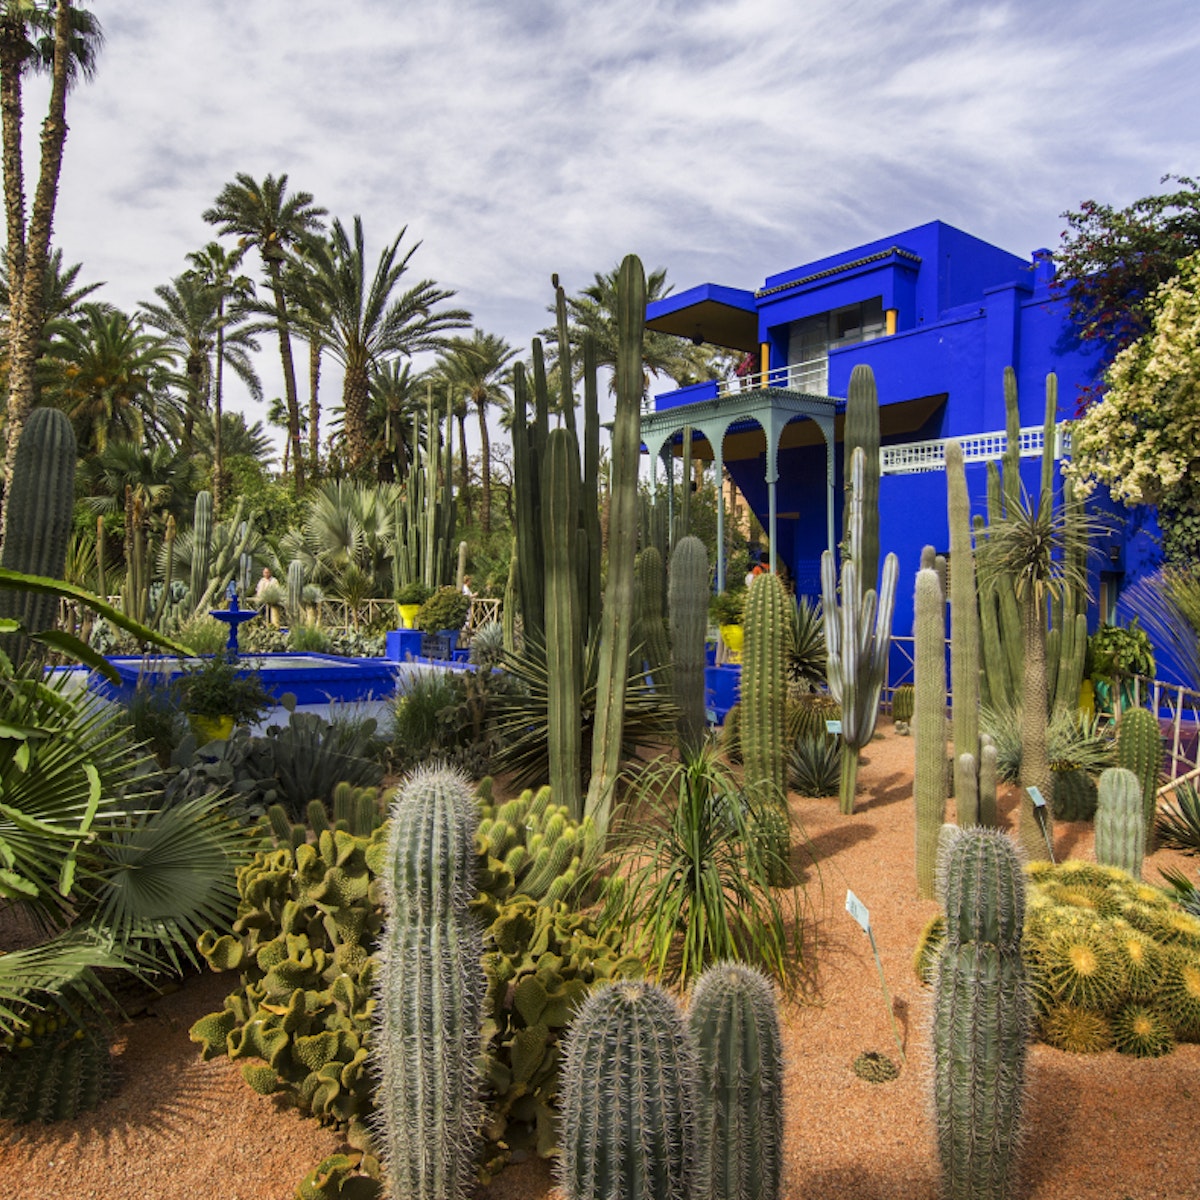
(733, 636)
(210, 729)
(408, 614)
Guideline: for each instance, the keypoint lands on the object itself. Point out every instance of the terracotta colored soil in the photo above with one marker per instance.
(1104, 1127)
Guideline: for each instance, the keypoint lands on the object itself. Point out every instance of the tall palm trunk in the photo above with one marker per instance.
(26, 332)
(461, 417)
(355, 390)
(485, 470)
(1035, 766)
(314, 406)
(13, 52)
(218, 380)
(289, 373)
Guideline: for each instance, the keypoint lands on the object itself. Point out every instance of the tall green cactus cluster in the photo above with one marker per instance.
(295, 591)
(1140, 750)
(656, 646)
(653, 1107)
(688, 591)
(428, 1005)
(763, 733)
(862, 431)
(980, 1022)
(734, 1024)
(1120, 821)
(37, 519)
(858, 626)
(423, 523)
(202, 530)
(929, 724)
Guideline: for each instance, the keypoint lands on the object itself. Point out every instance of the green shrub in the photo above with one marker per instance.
(204, 635)
(413, 593)
(308, 639)
(726, 607)
(426, 717)
(447, 608)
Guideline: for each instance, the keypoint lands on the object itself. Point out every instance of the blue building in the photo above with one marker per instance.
(937, 314)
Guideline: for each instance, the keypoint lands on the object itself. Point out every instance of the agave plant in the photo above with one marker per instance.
(1073, 739)
(1178, 823)
(815, 765)
(521, 724)
(804, 650)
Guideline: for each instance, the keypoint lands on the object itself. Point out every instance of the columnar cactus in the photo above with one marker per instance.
(735, 1027)
(1140, 750)
(560, 507)
(980, 1024)
(763, 713)
(428, 1006)
(862, 429)
(1120, 821)
(628, 1094)
(687, 604)
(929, 724)
(655, 645)
(202, 528)
(295, 590)
(858, 634)
(37, 512)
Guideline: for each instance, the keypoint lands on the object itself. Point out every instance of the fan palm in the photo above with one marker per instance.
(393, 404)
(345, 523)
(478, 368)
(109, 376)
(367, 322)
(263, 215)
(162, 474)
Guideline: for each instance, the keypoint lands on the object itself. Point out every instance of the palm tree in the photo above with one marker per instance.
(191, 320)
(315, 319)
(478, 368)
(35, 35)
(216, 268)
(594, 311)
(263, 215)
(109, 376)
(366, 325)
(162, 474)
(393, 401)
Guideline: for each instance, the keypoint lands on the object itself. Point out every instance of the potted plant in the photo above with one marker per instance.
(1118, 654)
(409, 599)
(726, 609)
(446, 610)
(217, 695)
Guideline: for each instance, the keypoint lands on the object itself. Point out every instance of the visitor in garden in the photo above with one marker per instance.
(264, 585)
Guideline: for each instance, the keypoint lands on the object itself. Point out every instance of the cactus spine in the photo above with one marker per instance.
(858, 634)
(37, 518)
(1140, 750)
(687, 602)
(980, 1018)
(763, 711)
(560, 506)
(616, 616)
(1120, 821)
(929, 724)
(628, 1098)
(964, 635)
(428, 1007)
(735, 1027)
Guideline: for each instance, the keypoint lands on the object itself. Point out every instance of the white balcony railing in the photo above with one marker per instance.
(811, 378)
(912, 457)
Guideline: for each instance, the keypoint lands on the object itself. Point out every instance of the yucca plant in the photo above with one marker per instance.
(1072, 738)
(1178, 822)
(804, 648)
(691, 880)
(815, 765)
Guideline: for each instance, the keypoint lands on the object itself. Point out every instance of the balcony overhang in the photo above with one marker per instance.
(721, 316)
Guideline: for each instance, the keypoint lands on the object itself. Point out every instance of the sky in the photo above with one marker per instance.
(723, 141)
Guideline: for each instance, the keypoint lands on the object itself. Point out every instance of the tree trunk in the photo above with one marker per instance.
(1035, 767)
(13, 52)
(355, 391)
(289, 374)
(485, 454)
(26, 333)
(314, 406)
(465, 472)
(218, 455)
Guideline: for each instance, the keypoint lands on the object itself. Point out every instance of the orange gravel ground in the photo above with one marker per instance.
(1104, 1127)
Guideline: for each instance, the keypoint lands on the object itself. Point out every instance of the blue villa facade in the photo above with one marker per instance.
(937, 314)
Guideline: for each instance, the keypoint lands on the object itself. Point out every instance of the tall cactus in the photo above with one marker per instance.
(687, 603)
(735, 1027)
(929, 724)
(1120, 821)
(980, 1023)
(858, 635)
(1140, 750)
(655, 645)
(202, 530)
(560, 505)
(628, 1090)
(964, 630)
(862, 429)
(37, 518)
(428, 1006)
(616, 617)
(295, 590)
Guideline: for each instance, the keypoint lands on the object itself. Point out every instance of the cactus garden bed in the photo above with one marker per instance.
(1105, 1126)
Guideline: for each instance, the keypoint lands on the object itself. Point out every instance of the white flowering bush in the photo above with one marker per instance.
(1143, 439)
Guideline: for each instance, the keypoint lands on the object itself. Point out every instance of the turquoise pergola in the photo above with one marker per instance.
(772, 409)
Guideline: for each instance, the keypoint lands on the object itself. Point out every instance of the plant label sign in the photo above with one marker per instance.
(857, 909)
(1039, 811)
(1035, 794)
(836, 727)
